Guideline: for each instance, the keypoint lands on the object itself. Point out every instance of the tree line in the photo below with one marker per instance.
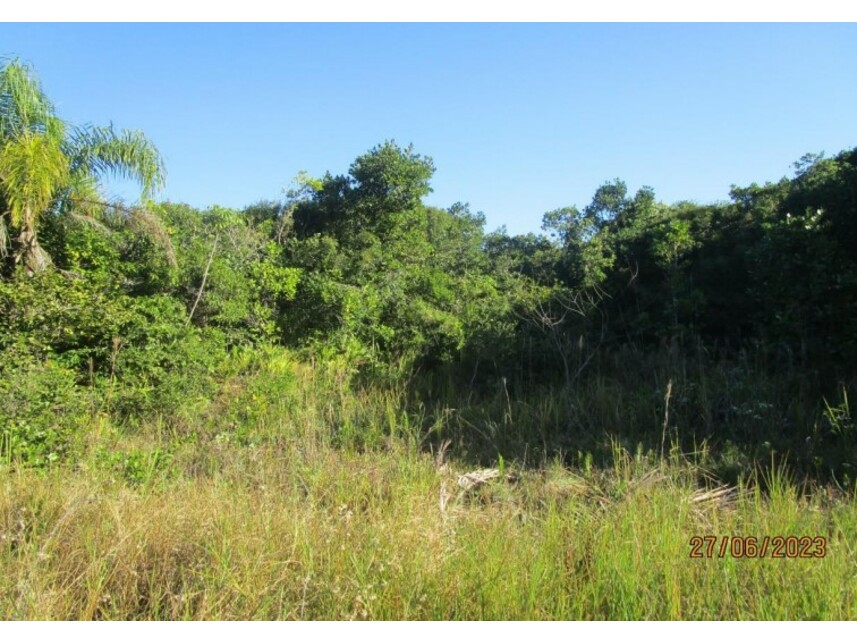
(142, 304)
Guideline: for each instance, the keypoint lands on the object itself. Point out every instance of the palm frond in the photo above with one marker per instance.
(99, 151)
(23, 105)
(148, 223)
(45, 168)
(32, 170)
(90, 221)
(138, 218)
(80, 195)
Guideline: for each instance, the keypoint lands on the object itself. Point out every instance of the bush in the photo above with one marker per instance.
(161, 363)
(41, 409)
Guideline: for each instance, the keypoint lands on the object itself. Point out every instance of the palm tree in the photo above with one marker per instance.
(48, 167)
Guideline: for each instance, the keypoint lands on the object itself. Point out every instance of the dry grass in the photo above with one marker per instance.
(274, 516)
(344, 535)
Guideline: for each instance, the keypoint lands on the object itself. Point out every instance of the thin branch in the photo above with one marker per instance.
(667, 397)
(204, 279)
(4, 238)
(634, 273)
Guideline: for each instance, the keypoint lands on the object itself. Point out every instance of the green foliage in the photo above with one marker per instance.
(391, 179)
(246, 281)
(359, 272)
(48, 167)
(71, 320)
(632, 333)
(382, 188)
(833, 442)
(804, 272)
(103, 337)
(162, 364)
(42, 411)
(136, 467)
(383, 271)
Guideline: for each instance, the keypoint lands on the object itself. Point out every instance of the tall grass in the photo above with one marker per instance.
(294, 494)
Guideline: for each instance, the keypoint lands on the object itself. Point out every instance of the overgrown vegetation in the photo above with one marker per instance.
(264, 413)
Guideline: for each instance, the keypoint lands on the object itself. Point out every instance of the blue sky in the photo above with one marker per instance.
(519, 118)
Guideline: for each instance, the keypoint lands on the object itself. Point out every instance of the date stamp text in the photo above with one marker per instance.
(758, 547)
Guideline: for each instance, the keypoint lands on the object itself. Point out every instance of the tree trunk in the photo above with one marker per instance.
(29, 251)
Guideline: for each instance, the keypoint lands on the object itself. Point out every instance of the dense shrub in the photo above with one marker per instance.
(42, 410)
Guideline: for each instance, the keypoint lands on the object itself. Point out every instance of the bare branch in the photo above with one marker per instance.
(204, 279)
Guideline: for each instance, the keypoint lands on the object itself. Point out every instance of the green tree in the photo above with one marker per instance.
(382, 192)
(386, 275)
(50, 167)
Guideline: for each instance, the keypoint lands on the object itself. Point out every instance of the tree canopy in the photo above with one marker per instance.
(358, 269)
(48, 167)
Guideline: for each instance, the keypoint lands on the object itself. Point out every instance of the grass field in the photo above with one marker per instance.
(273, 514)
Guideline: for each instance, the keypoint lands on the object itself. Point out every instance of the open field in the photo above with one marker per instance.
(273, 519)
(356, 402)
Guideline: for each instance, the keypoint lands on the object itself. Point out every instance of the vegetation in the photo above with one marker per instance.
(285, 411)
(47, 167)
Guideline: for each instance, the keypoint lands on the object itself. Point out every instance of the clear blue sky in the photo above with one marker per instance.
(519, 119)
